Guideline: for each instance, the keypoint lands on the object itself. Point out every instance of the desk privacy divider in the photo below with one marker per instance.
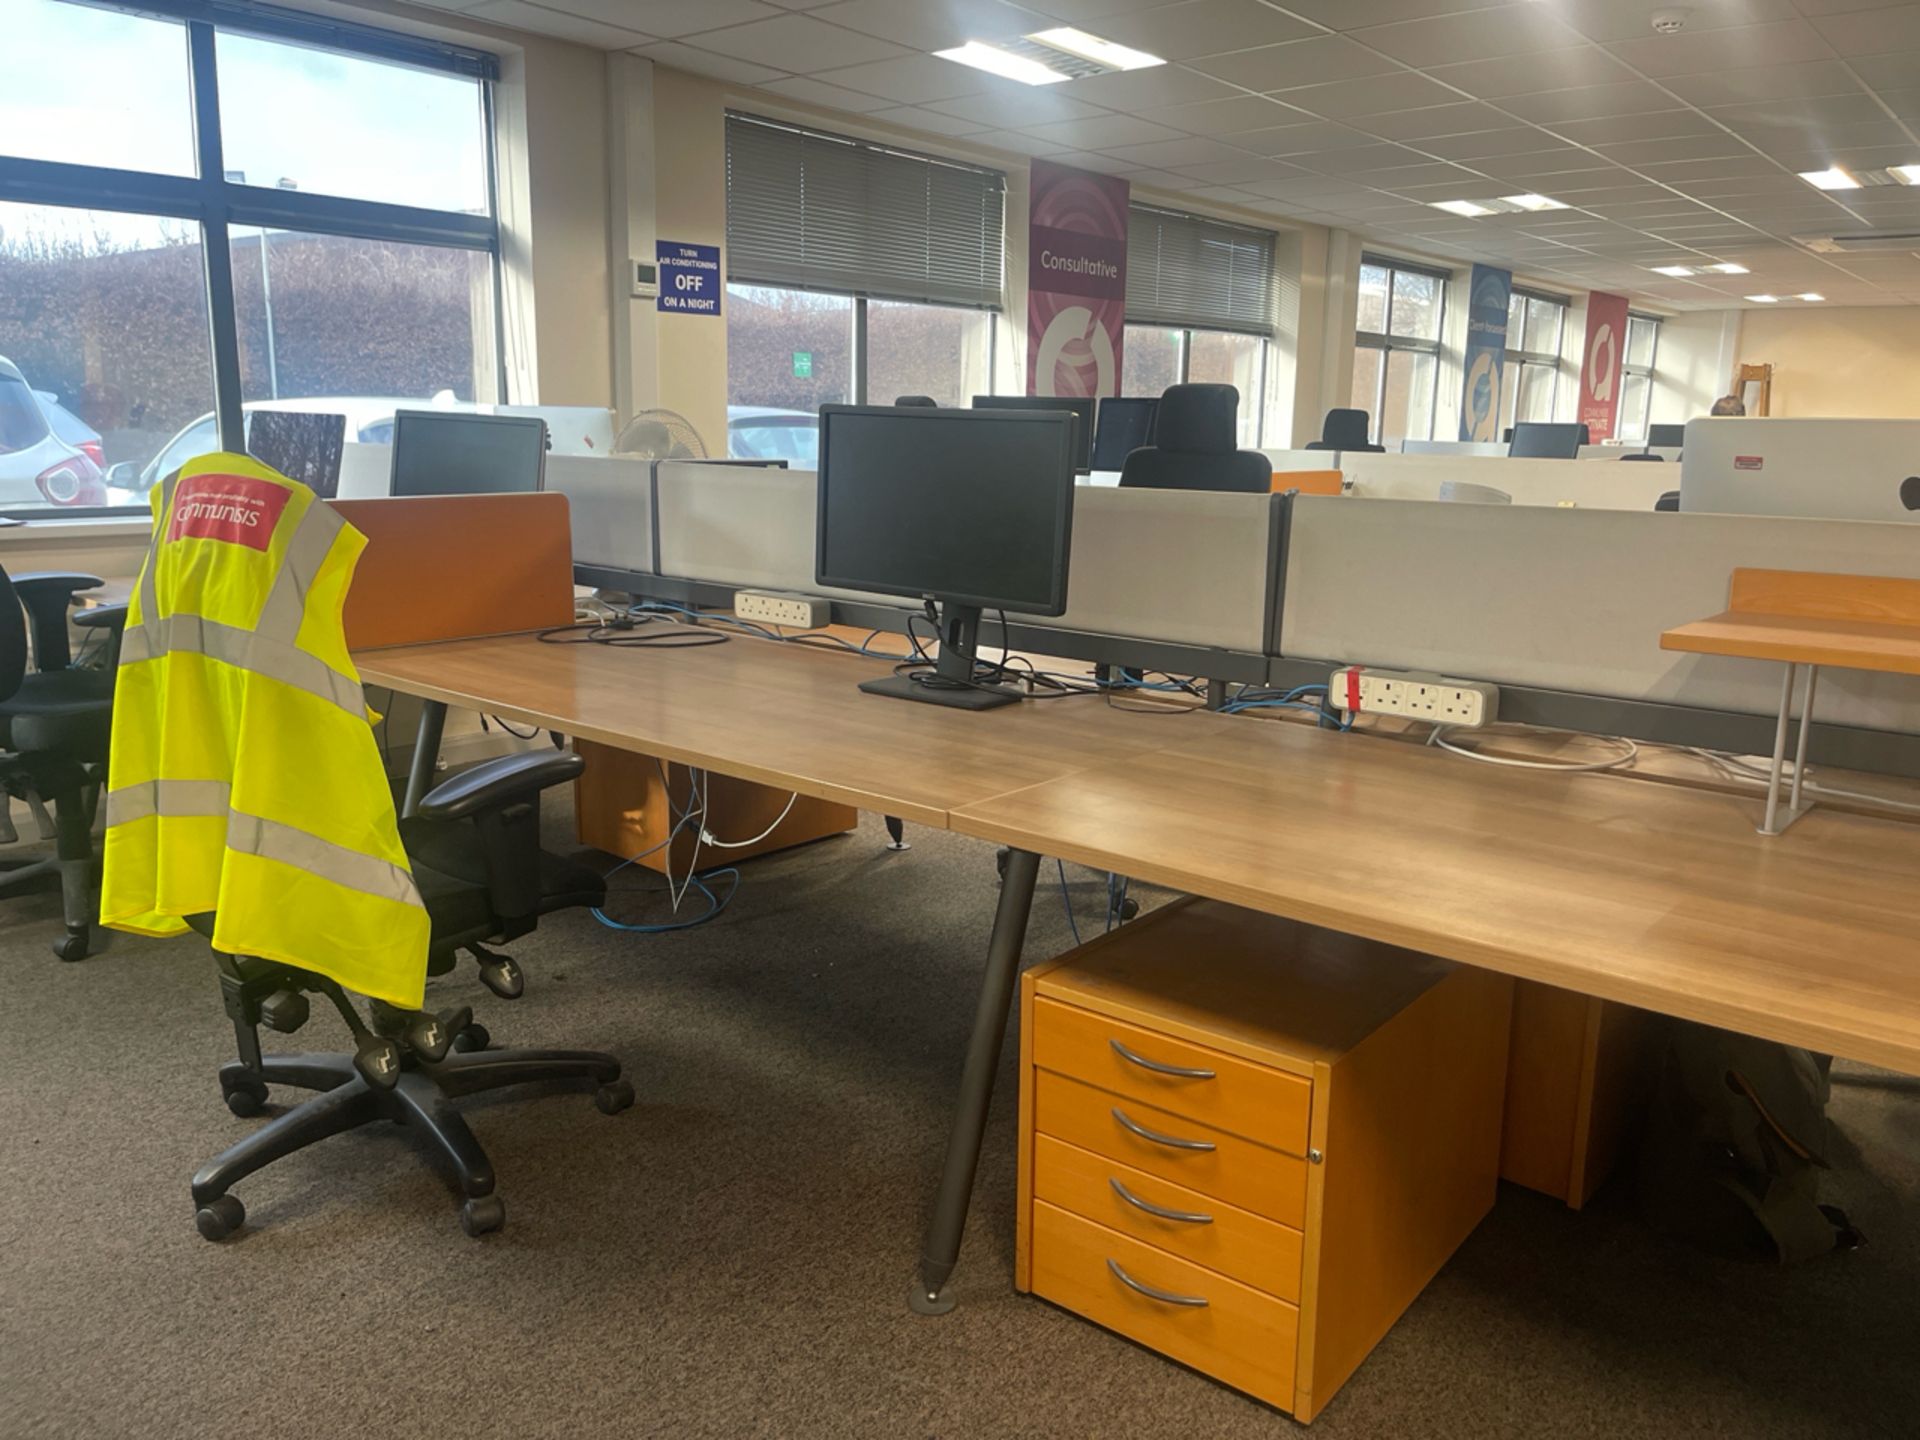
(453, 567)
(1564, 610)
(1548, 483)
(612, 506)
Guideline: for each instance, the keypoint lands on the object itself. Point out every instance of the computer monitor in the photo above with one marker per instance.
(971, 509)
(301, 446)
(1080, 406)
(1537, 440)
(1666, 436)
(1123, 424)
(437, 452)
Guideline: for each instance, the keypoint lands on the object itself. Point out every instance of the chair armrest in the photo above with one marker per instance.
(493, 784)
(47, 596)
(96, 617)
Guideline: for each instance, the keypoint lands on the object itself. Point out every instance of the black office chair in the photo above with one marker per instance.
(1668, 501)
(476, 857)
(1346, 430)
(1196, 446)
(1669, 437)
(919, 402)
(54, 725)
(1641, 455)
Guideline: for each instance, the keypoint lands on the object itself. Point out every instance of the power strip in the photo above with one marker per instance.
(1415, 695)
(767, 607)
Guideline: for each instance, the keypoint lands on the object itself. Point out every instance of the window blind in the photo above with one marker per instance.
(824, 212)
(1184, 270)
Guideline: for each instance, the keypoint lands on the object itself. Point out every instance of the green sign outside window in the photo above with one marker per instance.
(803, 364)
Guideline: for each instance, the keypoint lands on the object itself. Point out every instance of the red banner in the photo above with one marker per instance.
(1600, 364)
(1076, 281)
(236, 508)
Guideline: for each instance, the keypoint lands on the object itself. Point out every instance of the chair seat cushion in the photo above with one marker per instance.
(450, 867)
(68, 712)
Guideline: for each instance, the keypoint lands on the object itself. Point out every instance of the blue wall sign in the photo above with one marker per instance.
(1488, 295)
(689, 278)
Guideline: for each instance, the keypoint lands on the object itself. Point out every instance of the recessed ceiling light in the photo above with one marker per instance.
(1677, 271)
(1764, 299)
(1092, 47)
(1535, 202)
(1810, 296)
(1904, 174)
(1467, 208)
(1833, 178)
(1727, 267)
(1002, 63)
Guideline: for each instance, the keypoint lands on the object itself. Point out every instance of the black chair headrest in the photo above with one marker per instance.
(924, 402)
(1670, 500)
(1346, 429)
(1198, 419)
(1910, 492)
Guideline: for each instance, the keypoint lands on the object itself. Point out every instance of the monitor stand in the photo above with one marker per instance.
(951, 682)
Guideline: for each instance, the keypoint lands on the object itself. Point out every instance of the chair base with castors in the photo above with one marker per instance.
(420, 1099)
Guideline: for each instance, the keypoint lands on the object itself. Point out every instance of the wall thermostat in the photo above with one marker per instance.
(646, 280)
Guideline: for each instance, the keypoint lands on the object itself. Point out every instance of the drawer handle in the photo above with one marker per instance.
(1159, 1067)
(1165, 1297)
(1185, 1217)
(1156, 1137)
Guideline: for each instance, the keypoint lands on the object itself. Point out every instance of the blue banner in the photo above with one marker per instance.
(1488, 295)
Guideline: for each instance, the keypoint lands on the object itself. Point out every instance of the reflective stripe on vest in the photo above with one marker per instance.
(271, 648)
(266, 839)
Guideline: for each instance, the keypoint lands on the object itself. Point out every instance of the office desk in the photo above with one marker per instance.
(1650, 894)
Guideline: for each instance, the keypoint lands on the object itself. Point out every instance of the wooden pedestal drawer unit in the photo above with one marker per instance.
(1249, 1143)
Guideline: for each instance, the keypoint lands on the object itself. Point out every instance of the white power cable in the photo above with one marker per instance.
(1736, 769)
(707, 837)
(1625, 757)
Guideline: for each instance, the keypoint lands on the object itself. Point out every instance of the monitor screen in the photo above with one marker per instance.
(973, 507)
(1125, 424)
(302, 447)
(442, 453)
(1667, 436)
(1079, 406)
(1537, 440)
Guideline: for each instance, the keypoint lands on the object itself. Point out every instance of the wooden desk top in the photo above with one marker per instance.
(1648, 894)
(1857, 622)
(788, 716)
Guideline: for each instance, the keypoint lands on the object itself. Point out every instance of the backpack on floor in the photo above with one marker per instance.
(1734, 1146)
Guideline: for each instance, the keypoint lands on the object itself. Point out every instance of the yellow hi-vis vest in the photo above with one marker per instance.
(244, 778)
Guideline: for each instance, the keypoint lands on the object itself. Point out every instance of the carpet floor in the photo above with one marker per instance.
(731, 1256)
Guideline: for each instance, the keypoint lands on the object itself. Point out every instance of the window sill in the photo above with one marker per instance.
(113, 527)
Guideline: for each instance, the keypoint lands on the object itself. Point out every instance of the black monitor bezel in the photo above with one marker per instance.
(1068, 404)
(519, 421)
(1056, 603)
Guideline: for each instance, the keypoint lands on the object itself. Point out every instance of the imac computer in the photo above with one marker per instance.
(438, 452)
(1079, 406)
(968, 509)
(1124, 424)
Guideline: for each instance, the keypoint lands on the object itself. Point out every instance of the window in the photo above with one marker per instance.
(1200, 308)
(1536, 327)
(856, 273)
(1636, 376)
(1396, 357)
(350, 267)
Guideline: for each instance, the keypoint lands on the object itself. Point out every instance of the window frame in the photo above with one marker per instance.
(1387, 341)
(219, 205)
(1186, 334)
(1645, 371)
(1523, 356)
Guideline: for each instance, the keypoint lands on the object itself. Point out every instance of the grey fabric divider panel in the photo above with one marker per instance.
(366, 471)
(1824, 469)
(611, 510)
(1569, 600)
(1183, 566)
(1303, 459)
(1667, 453)
(1529, 482)
(747, 526)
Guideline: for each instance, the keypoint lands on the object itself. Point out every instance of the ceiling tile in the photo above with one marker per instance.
(1618, 129)
(1904, 103)
(913, 117)
(1887, 72)
(817, 92)
(1205, 27)
(1764, 82)
(912, 79)
(671, 19)
(1801, 113)
(798, 43)
(1020, 142)
(1101, 132)
(1518, 140)
(1362, 160)
(1471, 35)
(1693, 147)
(1133, 90)
(1589, 102)
(1078, 12)
(1503, 75)
(541, 21)
(704, 62)
(1616, 20)
(1358, 99)
(1187, 150)
(1457, 118)
(1872, 32)
(1222, 117)
(1313, 136)
(1693, 52)
(1299, 62)
(1241, 170)
(932, 27)
(1010, 104)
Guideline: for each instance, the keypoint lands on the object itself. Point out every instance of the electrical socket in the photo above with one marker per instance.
(766, 607)
(1415, 695)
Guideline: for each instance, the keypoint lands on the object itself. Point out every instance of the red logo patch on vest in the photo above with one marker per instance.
(238, 508)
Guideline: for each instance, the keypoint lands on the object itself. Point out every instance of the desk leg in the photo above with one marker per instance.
(426, 754)
(942, 1248)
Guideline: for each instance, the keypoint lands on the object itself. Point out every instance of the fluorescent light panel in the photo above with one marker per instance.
(1727, 267)
(1904, 174)
(1534, 202)
(1679, 272)
(1100, 52)
(1832, 178)
(1472, 210)
(1002, 63)
(1811, 296)
(1764, 299)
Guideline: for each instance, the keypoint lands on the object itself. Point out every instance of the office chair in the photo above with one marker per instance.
(1346, 430)
(55, 721)
(1638, 455)
(1667, 436)
(1195, 446)
(920, 402)
(1669, 501)
(475, 851)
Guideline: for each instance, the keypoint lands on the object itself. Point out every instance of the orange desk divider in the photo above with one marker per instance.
(453, 567)
(1307, 482)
